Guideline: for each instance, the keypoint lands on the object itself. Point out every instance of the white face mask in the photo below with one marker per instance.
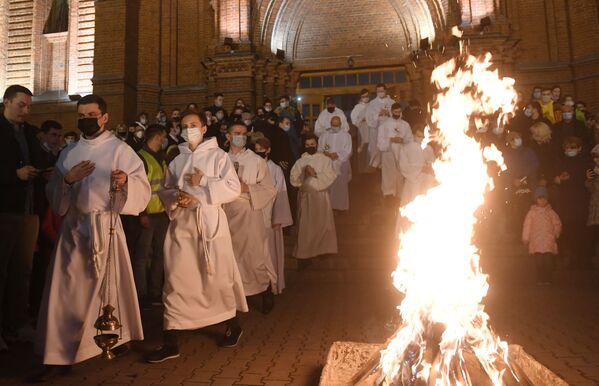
(536, 95)
(568, 116)
(268, 108)
(528, 112)
(365, 99)
(192, 135)
(284, 105)
(69, 141)
(247, 122)
(381, 94)
(218, 103)
(239, 140)
(517, 142)
(139, 134)
(286, 127)
(498, 130)
(571, 152)
(143, 121)
(546, 98)
(335, 129)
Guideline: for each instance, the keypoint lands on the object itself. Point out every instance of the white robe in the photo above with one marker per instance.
(246, 221)
(316, 233)
(392, 179)
(281, 218)
(358, 118)
(324, 121)
(340, 143)
(413, 158)
(202, 283)
(374, 120)
(71, 297)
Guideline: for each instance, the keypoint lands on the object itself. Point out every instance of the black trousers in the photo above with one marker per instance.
(18, 236)
(171, 337)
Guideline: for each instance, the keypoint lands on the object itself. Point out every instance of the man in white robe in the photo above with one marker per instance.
(281, 214)
(313, 174)
(246, 218)
(202, 282)
(358, 119)
(415, 163)
(80, 191)
(378, 111)
(324, 118)
(393, 134)
(337, 145)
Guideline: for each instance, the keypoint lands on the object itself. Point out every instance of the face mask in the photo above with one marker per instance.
(262, 154)
(139, 134)
(381, 94)
(546, 98)
(284, 105)
(331, 110)
(286, 127)
(247, 122)
(396, 116)
(143, 121)
(164, 144)
(268, 108)
(220, 116)
(177, 119)
(162, 119)
(536, 95)
(571, 153)
(69, 141)
(311, 150)
(498, 130)
(218, 103)
(364, 99)
(192, 135)
(517, 142)
(335, 129)
(239, 140)
(567, 116)
(528, 113)
(88, 126)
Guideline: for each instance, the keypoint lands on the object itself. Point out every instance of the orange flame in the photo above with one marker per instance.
(438, 269)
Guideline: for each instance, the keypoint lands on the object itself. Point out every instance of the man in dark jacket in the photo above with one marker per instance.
(18, 223)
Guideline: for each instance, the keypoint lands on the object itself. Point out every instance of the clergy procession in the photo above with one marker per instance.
(197, 211)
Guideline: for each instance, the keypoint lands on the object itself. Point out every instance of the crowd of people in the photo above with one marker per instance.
(205, 196)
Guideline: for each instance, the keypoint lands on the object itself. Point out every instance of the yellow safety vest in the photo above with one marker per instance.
(156, 175)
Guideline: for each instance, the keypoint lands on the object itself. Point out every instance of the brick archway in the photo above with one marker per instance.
(315, 34)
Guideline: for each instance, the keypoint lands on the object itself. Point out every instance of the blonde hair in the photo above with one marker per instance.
(541, 132)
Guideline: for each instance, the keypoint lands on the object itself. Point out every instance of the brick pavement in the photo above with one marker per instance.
(349, 297)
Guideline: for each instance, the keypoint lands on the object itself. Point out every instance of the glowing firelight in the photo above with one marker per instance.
(438, 270)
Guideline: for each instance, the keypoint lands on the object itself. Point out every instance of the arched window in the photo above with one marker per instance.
(58, 19)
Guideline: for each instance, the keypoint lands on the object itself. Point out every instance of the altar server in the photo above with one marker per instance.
(324, 118)
(378, 111)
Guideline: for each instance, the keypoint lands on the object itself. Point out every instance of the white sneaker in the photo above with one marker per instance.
(3, 345)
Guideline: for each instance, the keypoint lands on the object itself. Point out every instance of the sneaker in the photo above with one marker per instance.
(163, 354)
(232, 336)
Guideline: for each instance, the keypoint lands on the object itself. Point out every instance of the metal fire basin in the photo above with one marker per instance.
(345, 359)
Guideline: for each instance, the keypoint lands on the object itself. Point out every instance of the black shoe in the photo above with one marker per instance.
(49, 373)
(163, 354)
(232, 337)
(121, 350)
(268, 301)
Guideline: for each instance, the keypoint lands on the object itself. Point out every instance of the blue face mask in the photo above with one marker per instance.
(287, 127)
(568, 116)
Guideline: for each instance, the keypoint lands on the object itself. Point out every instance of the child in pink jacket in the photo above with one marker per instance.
(540, 232)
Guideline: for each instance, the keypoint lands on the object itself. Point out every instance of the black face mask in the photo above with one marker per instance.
(396, 116)
(311, 150)
(88, 126)
(176, 119)
(262, 154)
(331, 109)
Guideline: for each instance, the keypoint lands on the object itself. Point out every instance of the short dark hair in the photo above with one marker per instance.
(396, 105)
(556, 86)
(263, 142)
(308, 137)
(48, 125)
(286, 97)
(153, 130)
(218, 94)
(383, 85)
(330, 101)
(237, 123)
(13, 90)
(93, 98)
(283, 117)
(364, 91)
(198, 114)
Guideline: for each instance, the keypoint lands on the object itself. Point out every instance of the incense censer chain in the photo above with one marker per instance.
(107, 324)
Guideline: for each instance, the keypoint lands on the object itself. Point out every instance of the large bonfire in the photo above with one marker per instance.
(445, 332)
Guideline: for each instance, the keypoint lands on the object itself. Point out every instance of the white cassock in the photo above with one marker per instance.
(374, 120)
(316, 234)
(358, 118)
(280, 218)
(71, 297)
(392, 179)
(413, 158)
(324, 121)
(338, 142)
(202, 284)
(246, 221)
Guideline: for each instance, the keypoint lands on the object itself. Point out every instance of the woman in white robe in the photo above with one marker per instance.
(72, 295)
(313, 174)
(337, 145)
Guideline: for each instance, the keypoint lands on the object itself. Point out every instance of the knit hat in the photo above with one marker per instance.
(541, 191)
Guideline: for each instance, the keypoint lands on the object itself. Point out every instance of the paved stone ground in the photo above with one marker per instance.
(349, 297)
